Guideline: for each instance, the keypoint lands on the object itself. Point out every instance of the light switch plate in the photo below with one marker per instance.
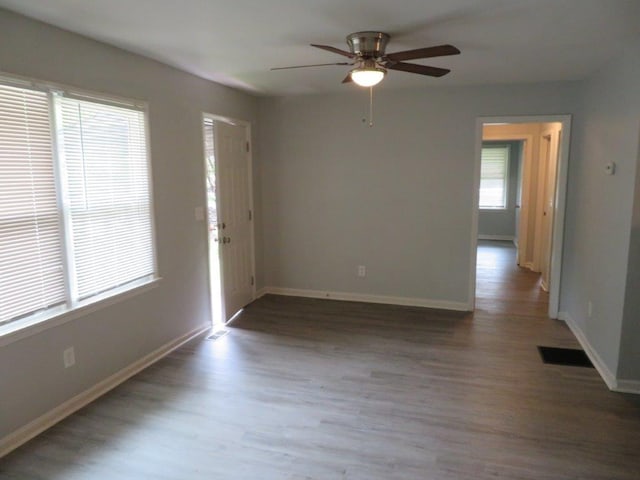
(199, 213)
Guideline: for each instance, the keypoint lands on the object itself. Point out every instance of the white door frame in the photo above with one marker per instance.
(247, 125)
(560, 204)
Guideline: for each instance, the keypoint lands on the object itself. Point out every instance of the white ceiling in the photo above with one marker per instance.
(235, 42)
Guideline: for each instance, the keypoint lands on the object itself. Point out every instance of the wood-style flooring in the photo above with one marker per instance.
(321, 389)
(503, 288)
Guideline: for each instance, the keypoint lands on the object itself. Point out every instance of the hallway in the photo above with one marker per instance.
(502, 287)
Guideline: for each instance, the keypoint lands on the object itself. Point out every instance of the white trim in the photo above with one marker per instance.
(43, 422)
(19, 329)
(562, 175)
(71, 91)
(475, 215)
(628, 386)
(507, 238)
(614, 383)
(367, 298)
(561, 194)
(150, 185)
(606, 374)
(262, 292)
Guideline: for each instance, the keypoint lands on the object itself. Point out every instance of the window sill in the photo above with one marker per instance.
(496, 209)
(21, 329)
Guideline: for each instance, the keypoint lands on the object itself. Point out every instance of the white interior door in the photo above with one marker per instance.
(550, 142)
(235, 241)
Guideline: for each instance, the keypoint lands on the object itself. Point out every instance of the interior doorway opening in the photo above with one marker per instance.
(520, 180)
(505, 288)
(215, 285)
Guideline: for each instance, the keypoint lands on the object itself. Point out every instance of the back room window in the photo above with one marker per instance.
(494, 176)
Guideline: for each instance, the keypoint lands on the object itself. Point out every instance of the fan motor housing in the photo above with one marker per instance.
(368, 44)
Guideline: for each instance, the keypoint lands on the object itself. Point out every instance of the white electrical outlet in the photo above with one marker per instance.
(69, 357)
(589, 308)
(362, 270)
(610, 168)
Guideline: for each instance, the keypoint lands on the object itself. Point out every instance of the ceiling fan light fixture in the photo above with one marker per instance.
(367, 76)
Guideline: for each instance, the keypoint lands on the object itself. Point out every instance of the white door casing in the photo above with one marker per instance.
(235, 223)
(559, 202)
(551, 139)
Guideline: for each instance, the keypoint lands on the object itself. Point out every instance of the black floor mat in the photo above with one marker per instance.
(565, 356)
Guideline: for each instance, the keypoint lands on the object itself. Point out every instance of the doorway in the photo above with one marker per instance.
(229, 216)
(539, 209)
(504, 288)
(215, 289)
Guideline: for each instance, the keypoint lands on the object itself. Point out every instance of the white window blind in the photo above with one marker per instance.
(75, 202)
(494, 177)
(31, 273)
(104, 157)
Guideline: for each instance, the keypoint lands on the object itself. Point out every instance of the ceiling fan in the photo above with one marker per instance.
(367, 55)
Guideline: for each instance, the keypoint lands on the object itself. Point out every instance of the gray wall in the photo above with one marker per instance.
(629, 365)
(32, 377)
(599, 212)
(396, 198)
(628, 103)
(503, 222)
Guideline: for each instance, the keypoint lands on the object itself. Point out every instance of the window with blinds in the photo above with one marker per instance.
(494, 177)
(104, 157)
(31, 269)
(75, 202)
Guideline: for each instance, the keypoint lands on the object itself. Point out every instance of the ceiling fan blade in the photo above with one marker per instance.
(428, 52)
(314, 65)
(419, 69)
(334, 50)
(348, 78)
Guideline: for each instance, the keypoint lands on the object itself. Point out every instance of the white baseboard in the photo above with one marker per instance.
(507, 238)
(262, 292)
(628, 386)
(363, 297)
(40, 424)
(606, 374)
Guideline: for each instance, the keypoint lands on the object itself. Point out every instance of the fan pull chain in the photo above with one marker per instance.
(370, 107)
